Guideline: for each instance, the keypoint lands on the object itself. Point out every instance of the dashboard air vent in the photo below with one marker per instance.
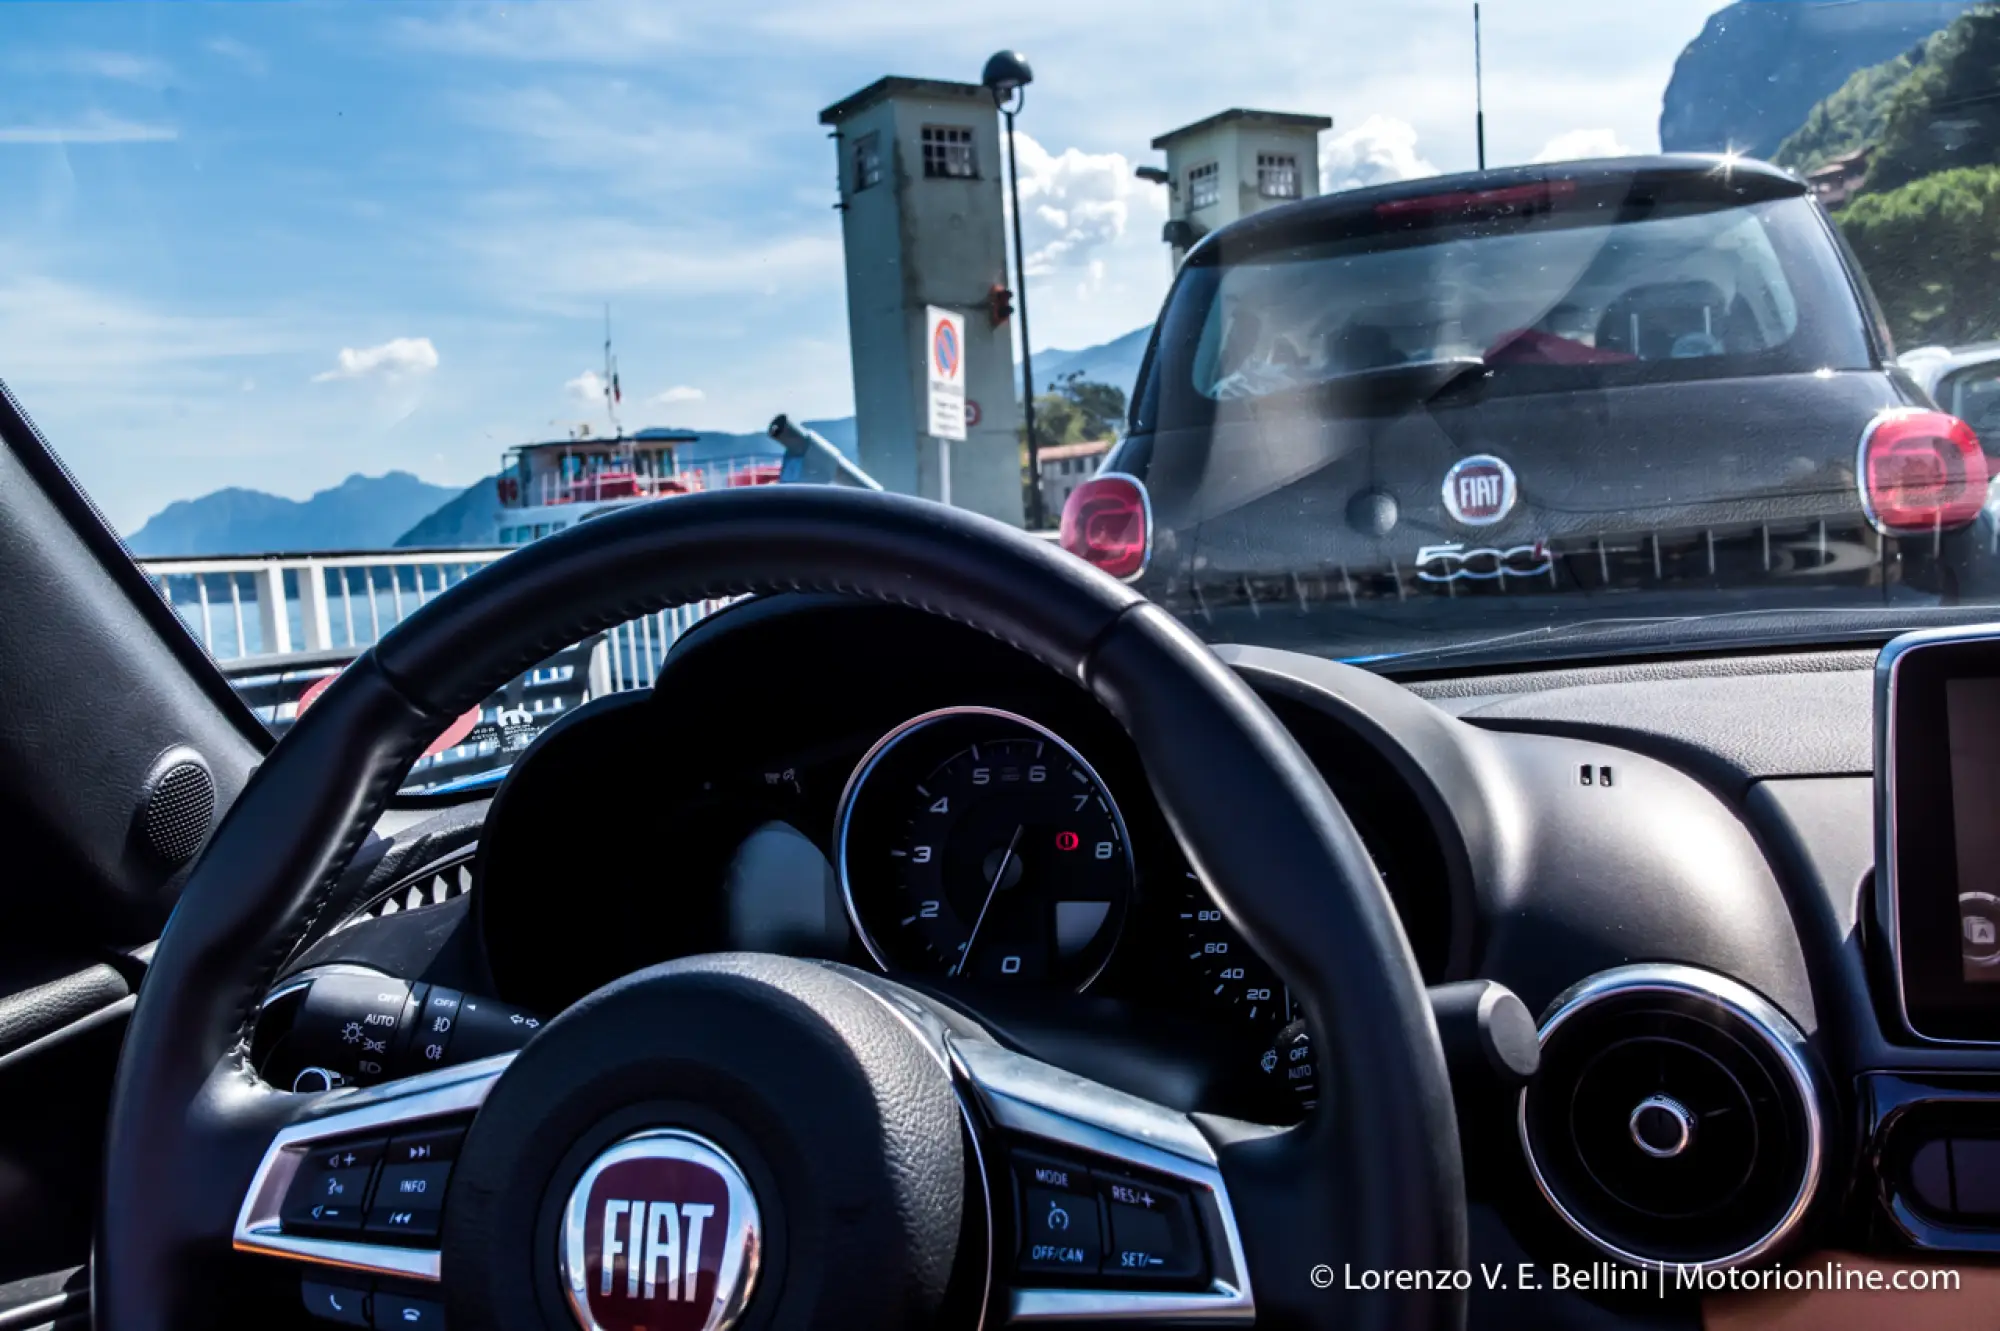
(1675, 1118)
(432, 885)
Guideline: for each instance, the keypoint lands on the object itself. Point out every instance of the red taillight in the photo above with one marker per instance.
(1108, 521)
(1921, 471)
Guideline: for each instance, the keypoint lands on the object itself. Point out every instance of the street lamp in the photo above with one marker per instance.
(1007, 77)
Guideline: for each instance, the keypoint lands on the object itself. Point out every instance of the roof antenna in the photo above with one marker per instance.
(1478, 88)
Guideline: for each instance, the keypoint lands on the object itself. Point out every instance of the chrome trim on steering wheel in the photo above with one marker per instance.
(429, 1095)
(1035, 1100)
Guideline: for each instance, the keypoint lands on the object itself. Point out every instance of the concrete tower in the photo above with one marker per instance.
(920, 194)
(1233, 164)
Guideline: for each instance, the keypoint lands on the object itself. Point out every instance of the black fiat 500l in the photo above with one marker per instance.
(1531, 400)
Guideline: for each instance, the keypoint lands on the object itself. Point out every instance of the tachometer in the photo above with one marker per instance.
(975, 843)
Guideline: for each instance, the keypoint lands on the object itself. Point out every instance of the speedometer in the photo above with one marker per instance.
(976, 844)
(1233, 978)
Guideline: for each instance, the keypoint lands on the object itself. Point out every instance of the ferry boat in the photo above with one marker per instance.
(547, 486)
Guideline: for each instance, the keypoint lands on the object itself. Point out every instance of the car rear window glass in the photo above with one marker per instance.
(1548, 301)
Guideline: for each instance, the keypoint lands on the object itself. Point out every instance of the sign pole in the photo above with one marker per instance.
(944, 472)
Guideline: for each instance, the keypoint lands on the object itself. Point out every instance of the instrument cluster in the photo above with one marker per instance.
(989, 835)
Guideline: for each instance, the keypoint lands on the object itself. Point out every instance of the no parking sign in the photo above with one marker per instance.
(944, 365)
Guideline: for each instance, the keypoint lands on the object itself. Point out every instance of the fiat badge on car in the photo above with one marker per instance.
(1479, 490)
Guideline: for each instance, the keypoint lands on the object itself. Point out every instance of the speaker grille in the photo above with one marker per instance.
(178, 811)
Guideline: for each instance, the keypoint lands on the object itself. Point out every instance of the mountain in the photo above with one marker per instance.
(1760, 66)
(472, 517)
(1115, 362)
(469, 518)
(361, 513)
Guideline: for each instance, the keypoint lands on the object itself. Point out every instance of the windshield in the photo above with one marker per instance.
(1429, 346)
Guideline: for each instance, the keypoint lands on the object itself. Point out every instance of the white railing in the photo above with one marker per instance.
(257, 608)
(281, 605)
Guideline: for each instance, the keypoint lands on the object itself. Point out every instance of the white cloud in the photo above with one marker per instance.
(586, 387)
(398, 358)
(1379, 151)
(248, 57)
(1075, 204)
(95, 127)
(113, 66)
(1578, 144)
(680, 393)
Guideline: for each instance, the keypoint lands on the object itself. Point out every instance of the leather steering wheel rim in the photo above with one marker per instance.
(1372, 1180)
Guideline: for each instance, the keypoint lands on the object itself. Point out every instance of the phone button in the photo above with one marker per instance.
(336, 1303)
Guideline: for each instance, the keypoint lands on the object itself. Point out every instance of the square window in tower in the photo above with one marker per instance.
(1278, 175)
(867, 161)
(948, 153)
(1204, 185)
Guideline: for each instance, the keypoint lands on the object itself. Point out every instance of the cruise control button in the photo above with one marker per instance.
(1059, 1232)
(326, 1199)
(404, 1310)
(1043, 1172)
(335, 1303)
(1153, 1234)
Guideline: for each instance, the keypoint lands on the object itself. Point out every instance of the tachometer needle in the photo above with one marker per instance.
(992, 890)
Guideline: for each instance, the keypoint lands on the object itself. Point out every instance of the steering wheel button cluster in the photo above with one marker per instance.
(381, 1308)
(1153, 1233)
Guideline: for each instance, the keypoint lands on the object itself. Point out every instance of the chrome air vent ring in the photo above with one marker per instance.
(1677, 1118)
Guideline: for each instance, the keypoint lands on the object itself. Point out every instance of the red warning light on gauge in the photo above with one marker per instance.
(1067, 841)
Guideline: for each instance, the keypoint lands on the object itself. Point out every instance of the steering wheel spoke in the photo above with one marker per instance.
(357, 1182)
(1119, 1211)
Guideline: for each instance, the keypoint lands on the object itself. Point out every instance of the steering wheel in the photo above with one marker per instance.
(808, 1145)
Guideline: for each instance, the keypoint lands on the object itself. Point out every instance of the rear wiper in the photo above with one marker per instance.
(1421, 380)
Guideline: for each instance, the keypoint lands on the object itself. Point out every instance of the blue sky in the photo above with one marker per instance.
(271, 245)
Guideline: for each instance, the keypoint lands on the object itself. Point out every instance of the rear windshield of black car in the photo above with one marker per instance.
(1570, 293)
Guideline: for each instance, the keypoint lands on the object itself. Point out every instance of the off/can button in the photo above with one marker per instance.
(1060, 1234)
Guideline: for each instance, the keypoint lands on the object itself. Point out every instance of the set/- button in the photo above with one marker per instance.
(1153, 1234)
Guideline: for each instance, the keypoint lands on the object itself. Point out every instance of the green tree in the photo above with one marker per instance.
(1946, 114)
(1932, 252)
(1076, 410)
(1852, 117)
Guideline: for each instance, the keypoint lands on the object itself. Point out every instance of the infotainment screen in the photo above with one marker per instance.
(1972, 718)
(1937, 867)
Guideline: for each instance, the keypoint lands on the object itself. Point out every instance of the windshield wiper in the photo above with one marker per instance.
(1411, 381)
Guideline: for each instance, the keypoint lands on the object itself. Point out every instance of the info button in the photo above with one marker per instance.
(1059, 1232)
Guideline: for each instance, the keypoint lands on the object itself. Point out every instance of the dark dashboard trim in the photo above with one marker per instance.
(1425, 746)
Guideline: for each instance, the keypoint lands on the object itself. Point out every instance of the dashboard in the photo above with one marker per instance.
(1671, 864)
